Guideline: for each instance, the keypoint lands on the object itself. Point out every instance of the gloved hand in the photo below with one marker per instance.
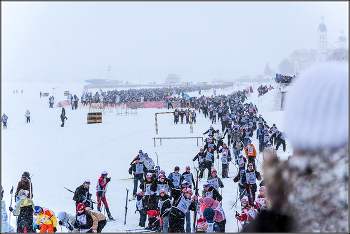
(237, 215)
(108, 179)
(54, 229)
(217, 157)
(11, 209)
(60, 222)
(70, 228)
(76, 224)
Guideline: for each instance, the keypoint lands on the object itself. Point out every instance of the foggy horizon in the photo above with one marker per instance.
(198, 41)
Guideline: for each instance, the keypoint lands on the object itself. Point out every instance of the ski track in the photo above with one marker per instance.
(64, 157)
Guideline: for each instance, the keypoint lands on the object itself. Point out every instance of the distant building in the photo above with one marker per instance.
(302, 59)
(172, 78)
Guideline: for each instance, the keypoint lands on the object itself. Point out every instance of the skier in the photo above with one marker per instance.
(225, 160)
(63, 117)
(67, 220)
(162, 184)
(242, 183)
(210, 144)
(209, 214)
(140, 155)
(260, 136)
(280, 140)
(208, 160)
(24, 184)
(46, 219)
(101, 189)
(261, 200)
(4, 121)
(178, 211)
(247, 133)
(139, 169)
(81, 193)
(164, 205)
(187, 115)
(215, 180)
(210, 191)
(201, 161)
(250, 152)
(182, 116)
(219, 217)
(211, 131)
(176, 116)
(194, 116)
(237, 147)
(83, 220)
(24, 210)
(202, 225)
(149, 188)
(175, 179)
(273, 134)
(251, 176)
(241, 161)
(99, 220)
(188, 176)
(148, 162)
(140, 207)
(27, 115)
(248, 212)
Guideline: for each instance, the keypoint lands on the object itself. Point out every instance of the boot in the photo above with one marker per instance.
(109, 213)
(99, 208)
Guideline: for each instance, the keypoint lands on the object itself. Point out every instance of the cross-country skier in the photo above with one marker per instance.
(46, 219)
(81, 193)
(177, 213)
(209, 214)
(215, 180)
(149, 163)
(210, 191)
(67, 220)
(99, 220)
(101, 189)
(248, 212)
(164, 205)
(175, 179)
(83, 220)
(138, 168)
(201, 161)
(280, 140)
(140, 207)
(27, 115)
(210, 131)
(25, 184)
(225, 160)
(141, 157)
(261, 200)
(4, 119)
(237, 147)
(188, 176)
(208, 161)
(24, 210)
(149, 188)
(63, 117)
(273, 134)
(251, 187)
(162, 184)
(250, 152)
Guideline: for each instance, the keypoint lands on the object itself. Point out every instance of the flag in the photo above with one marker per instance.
(214, 92)
(187, 96)
(117, 98)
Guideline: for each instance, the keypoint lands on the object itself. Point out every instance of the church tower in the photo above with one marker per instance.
(342, 40)
(322, 40)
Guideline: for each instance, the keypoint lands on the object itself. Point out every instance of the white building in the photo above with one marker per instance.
(172, 78)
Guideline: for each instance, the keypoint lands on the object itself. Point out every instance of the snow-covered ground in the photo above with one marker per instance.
(64, 157)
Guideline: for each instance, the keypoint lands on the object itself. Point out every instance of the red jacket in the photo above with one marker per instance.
(248, 214)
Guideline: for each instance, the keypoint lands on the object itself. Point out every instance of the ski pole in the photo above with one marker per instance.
(126, 205)
(11, 192)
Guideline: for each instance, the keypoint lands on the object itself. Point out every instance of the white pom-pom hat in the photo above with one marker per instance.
(317, 108)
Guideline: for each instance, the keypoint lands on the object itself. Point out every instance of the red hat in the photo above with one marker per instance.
(80, 207)
(201, 222)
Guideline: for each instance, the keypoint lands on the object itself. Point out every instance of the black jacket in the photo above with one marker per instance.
(164, 211)
(81, 193)
(216, 194)
(133, 169)
(89, 221)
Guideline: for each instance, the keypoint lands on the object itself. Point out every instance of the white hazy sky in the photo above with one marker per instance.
(74, 41)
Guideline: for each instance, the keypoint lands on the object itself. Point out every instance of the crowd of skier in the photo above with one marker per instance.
(166, 200)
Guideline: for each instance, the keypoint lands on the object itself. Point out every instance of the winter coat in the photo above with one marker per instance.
(96, 217)
(221, 185)
(215, 205)
(81, 193)
(238, 145)
(201, 157)
(235, 135)
(101, 186)
(149, 164)
(312, 188)
(46, 217)
(212, 192)
(133, 169)
(248, 214)
(191, 180)
(241, 178)
(4, 119)
(166, 205)
(250, 150)
(69, 221)
(25, 185)
(27, 114)
(84, 221)
(24, 210)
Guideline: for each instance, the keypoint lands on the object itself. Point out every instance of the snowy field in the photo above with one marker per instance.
(64, 157)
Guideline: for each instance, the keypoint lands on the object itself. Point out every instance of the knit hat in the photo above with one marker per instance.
(201, 222)
(206, 185)
(87, 181)
(137, 158)
(104, 173)
(317, 108)
(26, 174)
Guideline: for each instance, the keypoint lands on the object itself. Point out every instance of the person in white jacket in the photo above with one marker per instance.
(27, 114)
(68, 221)
(148, 162)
